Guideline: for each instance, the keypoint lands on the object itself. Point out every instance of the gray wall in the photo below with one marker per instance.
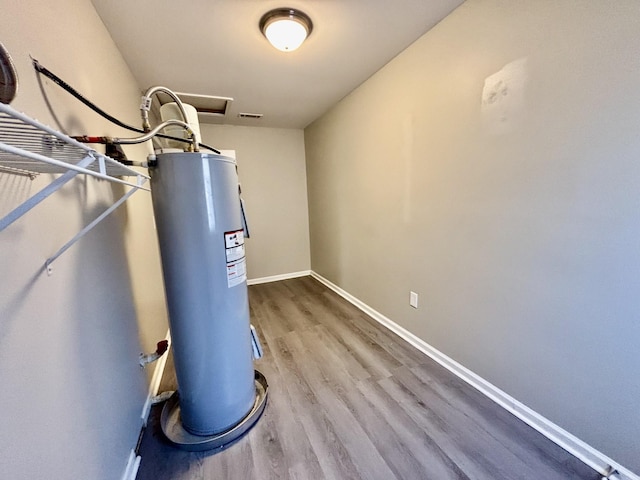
(72, 391)
(272, 171)
(516, 221)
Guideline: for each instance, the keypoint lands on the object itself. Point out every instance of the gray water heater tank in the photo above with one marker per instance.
(199, 224)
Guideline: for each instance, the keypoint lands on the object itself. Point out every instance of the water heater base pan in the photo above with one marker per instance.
(180, 438)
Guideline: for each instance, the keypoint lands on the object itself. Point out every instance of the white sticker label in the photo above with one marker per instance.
(236, 264)
(233, 239)
(235, 253)
(236, 272)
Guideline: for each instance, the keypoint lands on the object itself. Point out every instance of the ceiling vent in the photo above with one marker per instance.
(211, 109)
(255, 116)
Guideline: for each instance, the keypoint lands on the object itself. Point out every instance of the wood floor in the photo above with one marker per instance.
(350, 400)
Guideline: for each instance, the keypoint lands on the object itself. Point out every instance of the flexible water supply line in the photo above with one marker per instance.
(152, 133)
(145, 106)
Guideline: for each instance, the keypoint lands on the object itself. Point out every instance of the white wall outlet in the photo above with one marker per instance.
(413, 299)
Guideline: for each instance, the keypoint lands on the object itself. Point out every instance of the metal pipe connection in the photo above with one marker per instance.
(152, 133)
(145, 106)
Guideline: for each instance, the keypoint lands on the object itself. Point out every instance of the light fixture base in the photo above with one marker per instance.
(286, 28)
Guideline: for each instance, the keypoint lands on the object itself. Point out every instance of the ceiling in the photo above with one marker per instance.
(214, 47)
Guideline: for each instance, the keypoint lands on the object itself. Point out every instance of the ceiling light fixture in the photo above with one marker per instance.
(286, 28)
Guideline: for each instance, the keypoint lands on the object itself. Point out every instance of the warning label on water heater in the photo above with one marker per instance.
(236, 264)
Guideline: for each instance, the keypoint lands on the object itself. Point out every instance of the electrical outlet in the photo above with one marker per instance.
(413, 299)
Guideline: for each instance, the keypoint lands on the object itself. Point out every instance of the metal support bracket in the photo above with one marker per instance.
(35, 199)
(87, 229)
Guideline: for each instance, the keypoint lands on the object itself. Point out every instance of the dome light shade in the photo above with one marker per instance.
(286, 28)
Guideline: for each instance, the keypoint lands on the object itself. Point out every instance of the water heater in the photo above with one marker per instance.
(200, 229)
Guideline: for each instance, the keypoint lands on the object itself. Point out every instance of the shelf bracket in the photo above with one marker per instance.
(90, 226)
(42, 194)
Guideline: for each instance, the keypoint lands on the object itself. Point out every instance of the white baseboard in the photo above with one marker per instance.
(277, 278)
(587, 454)
(133, 464)
(156, 378)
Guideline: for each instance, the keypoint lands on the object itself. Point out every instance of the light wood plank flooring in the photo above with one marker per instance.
(350, 400)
